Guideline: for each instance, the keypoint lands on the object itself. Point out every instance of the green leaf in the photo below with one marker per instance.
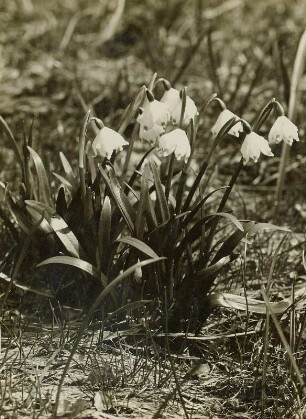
(231, 242)
(69, 171)
(139, 245)
(40, 221)
(17, 213)
(210, 270)
(232, 218)
(128, 307)
(43, 182)
(40, 207)
(197, 207)
(71, 261)
(61, 203)
(125, 207)
(238, 302)
(64, 181)
(104, 232)
(39, 291)
(142, 205)
(193, 234)
(59, 227)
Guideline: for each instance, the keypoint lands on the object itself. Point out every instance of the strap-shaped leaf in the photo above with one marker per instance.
(61, 203)
(17, 213)
(163, 205)
(125, 208)
(230, 244)
(39, 291)
(59, 227)
(128, 307)
(64, 181)
(210, 270)
(197, 207)
(71, 261)
(238, 302)
(40, 221)
(43, 182)
(232, 218)
(104, 232)
(139, 245)
(194, 233)
(142, 205)
(68, 170)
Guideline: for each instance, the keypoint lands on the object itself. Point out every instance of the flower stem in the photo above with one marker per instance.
(82, 158)
(223, 201)
(169, 176)
(293, 101)
(226, 128)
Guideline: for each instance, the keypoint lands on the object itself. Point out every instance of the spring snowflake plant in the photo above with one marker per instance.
(134, 235)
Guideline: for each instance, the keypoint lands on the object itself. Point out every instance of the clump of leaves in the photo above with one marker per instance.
(121, 234)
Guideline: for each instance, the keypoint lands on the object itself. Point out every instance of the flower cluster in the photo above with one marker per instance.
(163, 123)
(282, 130)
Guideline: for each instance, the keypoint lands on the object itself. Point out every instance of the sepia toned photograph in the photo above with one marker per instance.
(152, 209)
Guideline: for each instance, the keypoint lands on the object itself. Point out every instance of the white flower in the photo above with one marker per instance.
(106, 142)
(283, 130)
(153, 120)
(223, 118)
(253, 145)
(173, 101)
(175, 142)
(151, 135)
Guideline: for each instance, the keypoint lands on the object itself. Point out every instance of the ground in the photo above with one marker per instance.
(59, 58)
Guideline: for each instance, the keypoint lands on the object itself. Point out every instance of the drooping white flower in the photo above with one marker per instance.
(175, 142)
(222, 119)
(153, 120)
(151, 135)
(253, 145)
(106, 142)
(283, 130)
(173, 101)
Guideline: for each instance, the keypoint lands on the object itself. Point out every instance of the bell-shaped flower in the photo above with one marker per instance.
(175, 142)
(106, 142)
(283, 130)
(253, 145)
(153, 120)
(151, 135)
(223, 118)
(173, 101)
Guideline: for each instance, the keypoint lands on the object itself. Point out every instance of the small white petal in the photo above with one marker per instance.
(222, 119)
(283, 130)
